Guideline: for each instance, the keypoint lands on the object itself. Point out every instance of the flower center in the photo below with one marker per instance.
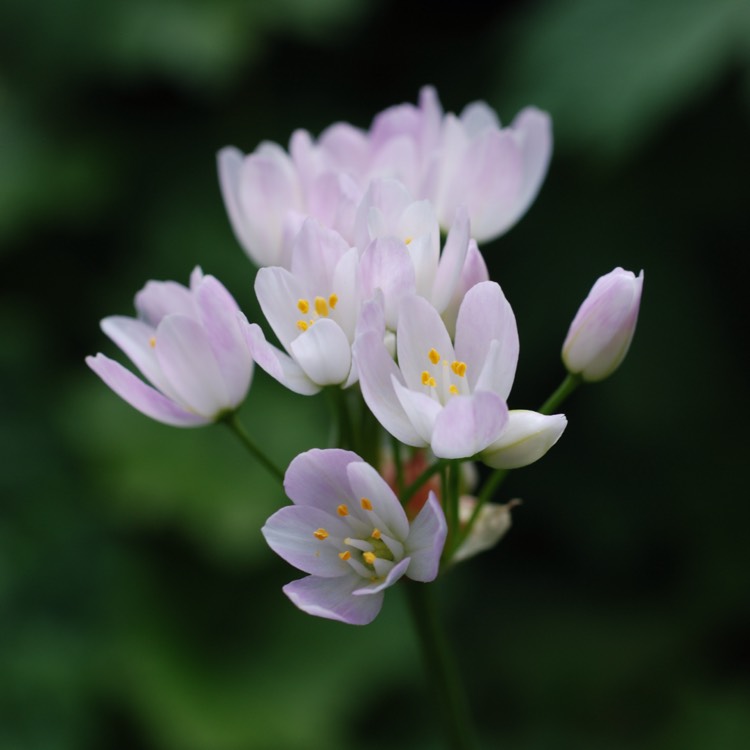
(320, 308)
(444, 378)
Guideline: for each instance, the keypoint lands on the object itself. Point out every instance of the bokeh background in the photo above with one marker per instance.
(139, 606)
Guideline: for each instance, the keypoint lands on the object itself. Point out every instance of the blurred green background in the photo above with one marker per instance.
(139, 606)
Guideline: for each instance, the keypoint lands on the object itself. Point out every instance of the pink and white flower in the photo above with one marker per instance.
(189, 343)
(348, 531)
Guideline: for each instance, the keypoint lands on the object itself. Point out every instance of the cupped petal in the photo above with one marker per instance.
(452, 261)
(383, 506)
(333, 599)
(279, 365)
(222, 321)
(279, 292)
(426, 541)
(323, 352)
(422, 410)
(142, 397)
(420, 330)
(375, 588)
(291, 534)
(387, 265)
(319, 478)
(316, 252)
(138, 339)
(486, 315)
(229, 162)
(468, 424)
(185, 357)
(526, 438)
(533, 130)
(160, 298)
(376, 370)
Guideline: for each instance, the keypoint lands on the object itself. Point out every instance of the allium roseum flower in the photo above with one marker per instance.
(189, 344)
(453, 397)
(467, 160)
(600, 334)
(348, 531)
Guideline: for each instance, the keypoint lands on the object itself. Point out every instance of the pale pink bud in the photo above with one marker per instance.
(601, 332)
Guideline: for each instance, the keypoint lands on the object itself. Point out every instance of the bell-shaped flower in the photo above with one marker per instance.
(495, 172)
(189, 343)
(349, 533)
(600, 334)
(313, 309)
(450, 398)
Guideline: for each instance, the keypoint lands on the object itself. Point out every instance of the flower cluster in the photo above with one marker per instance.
(372, 282)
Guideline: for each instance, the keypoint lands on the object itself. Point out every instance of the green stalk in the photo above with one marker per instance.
(452, 702)
(236, 427)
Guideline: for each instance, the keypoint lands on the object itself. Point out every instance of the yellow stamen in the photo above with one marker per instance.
(302, 325)
(342, 510)
(320, 534)
(408, 240)
(426, 378)
(321, 307)
(366, 504)
(345, 555)
(459, 368)
(431, 382)
(368, 557)
(303, 306)
(376, 534)
(434, 356)
(453, 389)
(333, 300)
(152, 342)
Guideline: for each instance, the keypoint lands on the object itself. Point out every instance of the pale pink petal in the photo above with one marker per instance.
(332, 598)
(533, 130)
(367, 483)
(374, 588)
(376, 370)
(279, 293)
(323, 352)
(468, 424)
(185, 357)
(426, 541)
(317, 250)
(526, 438)
(290, 533)
(319, 478)
(141, 396)
(160, 298)
(229, 162)
(485, 315)
(221, 320)
(279, 365)
(452, 261)
(421, 410)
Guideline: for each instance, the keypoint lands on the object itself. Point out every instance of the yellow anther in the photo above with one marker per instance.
(152, 342)
(407, 240)
(369, 557)
(453, 389)
(376, 534)
(366, 504)
(431, 382)
(321, 307)
(303, 306)
(426, 378)
(302, 325)
(345, 555)
(342, 510)
(320, 534)
(333, 300)
(434, 356)
(459, 368)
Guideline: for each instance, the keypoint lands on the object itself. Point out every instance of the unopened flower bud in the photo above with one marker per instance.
(490, 526)
(601, 332)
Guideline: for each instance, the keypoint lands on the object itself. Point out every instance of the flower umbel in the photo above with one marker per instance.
(348, 531)
(189, 344)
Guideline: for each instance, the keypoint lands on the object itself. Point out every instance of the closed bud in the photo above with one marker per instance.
(601, 332)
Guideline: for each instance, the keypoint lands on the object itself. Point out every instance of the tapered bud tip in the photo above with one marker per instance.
(601, 332)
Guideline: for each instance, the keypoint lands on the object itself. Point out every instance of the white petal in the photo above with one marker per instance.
(527, 437)
(323, 352)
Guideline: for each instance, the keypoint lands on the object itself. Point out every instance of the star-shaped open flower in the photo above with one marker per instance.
(348, 531)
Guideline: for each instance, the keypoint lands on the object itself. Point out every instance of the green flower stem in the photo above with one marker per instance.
(416, 485)
(236, 427)
(452, 703)
(567, 387)
(398, 465)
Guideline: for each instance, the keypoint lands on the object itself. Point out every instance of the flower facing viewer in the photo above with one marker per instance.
(601, 332)
(348, 531)
(189, 343)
